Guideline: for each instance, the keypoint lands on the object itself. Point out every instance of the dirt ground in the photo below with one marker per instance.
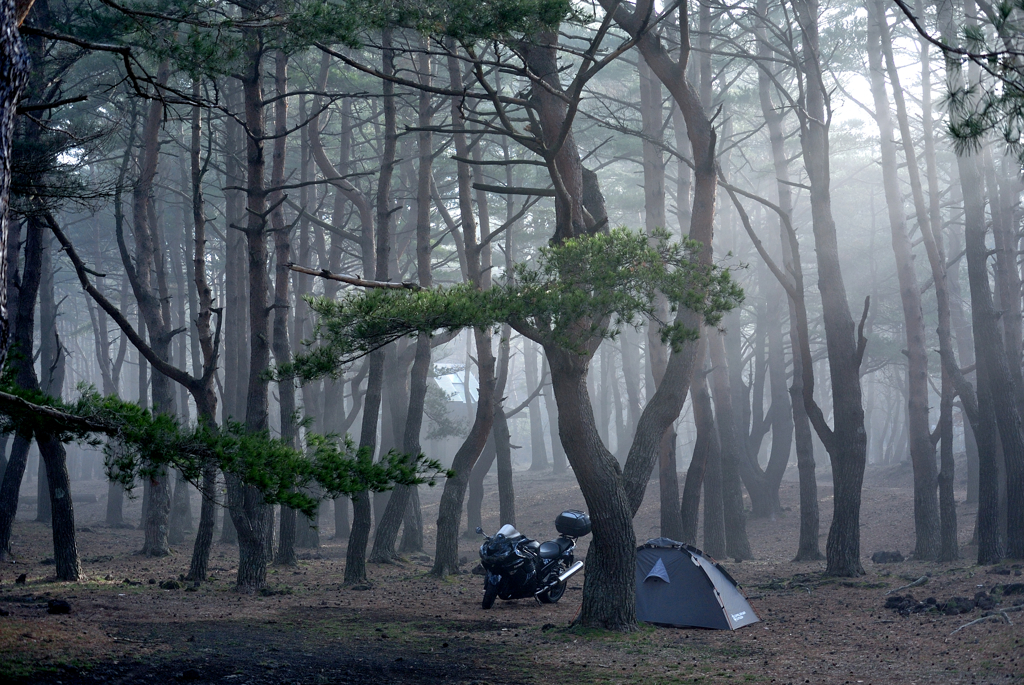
(410, 628)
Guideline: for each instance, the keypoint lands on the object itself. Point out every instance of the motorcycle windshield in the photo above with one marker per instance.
(509, 531)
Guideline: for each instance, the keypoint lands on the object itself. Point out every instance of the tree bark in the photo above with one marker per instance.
(608, 592)
(412, 536)
(65, 548)
(450, 508)
(846, 443)
(655, 218)
(502, 436)
(808, 547)
(538, 451)
(475, 496)
(355, 564)
(558, 460)
(23, 328)
(282, 346)
(181, 511)
(737, 544)
(250, 514)
(147, 276)
(705, 444)
(987, 339)
(14, 73)
(922, 451)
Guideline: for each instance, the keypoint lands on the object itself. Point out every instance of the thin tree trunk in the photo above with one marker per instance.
(538, 451)
(475, 495)
(147, 276)
(249, 512)
(948, 545)
(655, 218)
(706, 442)
(181, 511)
(282, 346)
(737, 544)
(206, 395)
(846, 443)
(23, 328)
(65, 548)
(355, 560)
(987, 339)
(558, 460)
(450, 508)
(15, 67)
(922, 451)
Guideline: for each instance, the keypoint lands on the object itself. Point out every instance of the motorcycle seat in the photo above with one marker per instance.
(555, 548)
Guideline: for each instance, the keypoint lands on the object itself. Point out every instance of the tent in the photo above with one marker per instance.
(678, 585)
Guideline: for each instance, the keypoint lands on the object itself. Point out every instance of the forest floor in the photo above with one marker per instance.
(409, 628)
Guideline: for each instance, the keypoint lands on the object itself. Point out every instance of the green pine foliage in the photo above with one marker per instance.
(585, 287)
(994, 107)
(138, 444)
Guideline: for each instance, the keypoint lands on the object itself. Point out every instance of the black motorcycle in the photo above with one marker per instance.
(519, 567)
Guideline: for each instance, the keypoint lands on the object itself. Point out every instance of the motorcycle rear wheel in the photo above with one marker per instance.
(490, 593)
(554, 594)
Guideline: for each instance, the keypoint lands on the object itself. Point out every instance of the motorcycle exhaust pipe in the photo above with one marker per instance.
(564, 576)
(570, 572)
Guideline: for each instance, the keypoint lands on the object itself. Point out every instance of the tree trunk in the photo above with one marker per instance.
(558, 460)
(412, 525)
(503, 452)
(250, 514)
(115, 506)
(922, 451)
(993, 372)
(781, 411)
(475, 496)
(23, 320)
(808, 547)
(705, 444)
(236, 329)
(449, 514)
(355, 564)
(51, 365)
(147, 276)
(203, 390)
(394, 513)
(65, 549)
(846, 443)
(43, 512)
(181, 511)
(14, 72)
(538, 452)
(630, 346)
(282, 304)
(450, 508)
(736, 543)
(608, 593)
(200, 562)
(412, 536)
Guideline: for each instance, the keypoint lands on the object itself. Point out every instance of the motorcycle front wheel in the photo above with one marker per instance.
(490, 592)
(554, 594)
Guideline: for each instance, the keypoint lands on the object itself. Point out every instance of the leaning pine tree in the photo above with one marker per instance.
(580, 291)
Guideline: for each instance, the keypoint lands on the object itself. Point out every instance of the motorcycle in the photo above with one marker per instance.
(519, 567)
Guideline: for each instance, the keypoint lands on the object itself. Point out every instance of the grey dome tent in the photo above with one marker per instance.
(678, 585)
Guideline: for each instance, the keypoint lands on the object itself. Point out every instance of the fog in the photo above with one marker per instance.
(855, 183)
